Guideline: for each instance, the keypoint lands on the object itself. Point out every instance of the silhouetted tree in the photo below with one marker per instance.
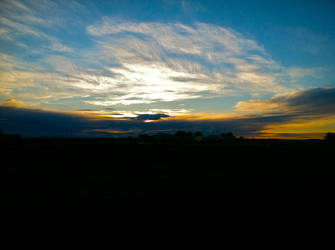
(330, 137)
(227, 136)
(212, 139)
(183, 136)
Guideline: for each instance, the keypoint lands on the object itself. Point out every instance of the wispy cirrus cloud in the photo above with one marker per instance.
(19, 29)
(143, 63)
(130, 65)
(21, 19)
(180, 38)
(173, 61)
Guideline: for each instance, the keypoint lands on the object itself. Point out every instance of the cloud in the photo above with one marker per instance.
(308, 113)
(18, 29)
(58, 46)
(14, 5)
(151, 117)
(120, 63)
(21, 27)
(35, 122)
(61, 64)
(37, 86)
(314, 101)
(179, 38)
(16, 103)
(173, 61)
(109, 131)
(47, 123)
(22, 19)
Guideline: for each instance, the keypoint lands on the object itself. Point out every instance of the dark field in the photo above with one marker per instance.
(95, 172)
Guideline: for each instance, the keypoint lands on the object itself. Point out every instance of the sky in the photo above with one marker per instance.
(262, 69)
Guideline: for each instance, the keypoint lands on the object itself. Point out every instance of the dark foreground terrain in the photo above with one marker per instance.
(94, 172)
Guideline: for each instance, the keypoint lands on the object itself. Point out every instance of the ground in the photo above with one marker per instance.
(70, 172)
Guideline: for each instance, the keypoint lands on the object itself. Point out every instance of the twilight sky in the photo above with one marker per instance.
(97, 68)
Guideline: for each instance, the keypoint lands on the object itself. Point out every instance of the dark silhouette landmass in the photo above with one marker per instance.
(159, 168)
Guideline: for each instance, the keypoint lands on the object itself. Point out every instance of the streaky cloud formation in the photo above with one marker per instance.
(182, 62)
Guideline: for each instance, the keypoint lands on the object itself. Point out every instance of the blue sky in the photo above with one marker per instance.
(179, 60)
